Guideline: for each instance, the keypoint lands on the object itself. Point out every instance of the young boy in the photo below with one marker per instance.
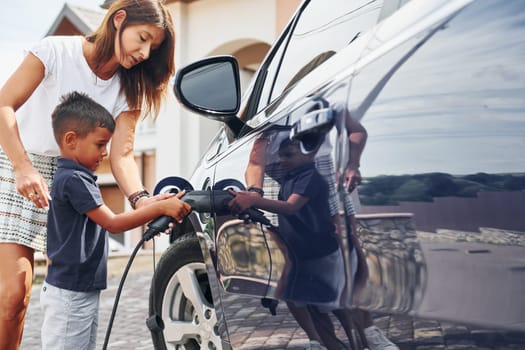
(77, 242)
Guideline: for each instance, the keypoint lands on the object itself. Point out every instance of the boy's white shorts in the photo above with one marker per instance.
(70, 318)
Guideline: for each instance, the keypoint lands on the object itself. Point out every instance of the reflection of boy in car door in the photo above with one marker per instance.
(357, 135)
(308, 231)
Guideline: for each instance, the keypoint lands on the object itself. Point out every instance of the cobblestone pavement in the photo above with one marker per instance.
(406, 332)
(129, 328)
(130, 332)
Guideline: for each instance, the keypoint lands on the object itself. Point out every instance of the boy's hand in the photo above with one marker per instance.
(242, 200)
(177, 208)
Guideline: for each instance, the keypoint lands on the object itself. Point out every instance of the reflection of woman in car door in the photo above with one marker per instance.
(255, 178)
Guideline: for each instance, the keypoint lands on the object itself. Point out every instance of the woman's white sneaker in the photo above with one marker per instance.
(377, 340)
(315, 345)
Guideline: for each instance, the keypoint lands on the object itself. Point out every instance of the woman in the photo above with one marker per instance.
(124, 65)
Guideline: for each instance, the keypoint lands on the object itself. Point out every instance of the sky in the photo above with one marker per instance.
(24, 22)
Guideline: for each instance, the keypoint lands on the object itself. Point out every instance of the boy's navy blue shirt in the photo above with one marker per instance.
(310, 232)
(76, 245)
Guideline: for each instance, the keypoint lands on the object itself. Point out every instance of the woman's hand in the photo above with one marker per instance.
(352, 178)
(32, 185)
(143, 201)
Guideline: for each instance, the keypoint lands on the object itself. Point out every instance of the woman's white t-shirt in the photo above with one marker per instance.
(66, 70)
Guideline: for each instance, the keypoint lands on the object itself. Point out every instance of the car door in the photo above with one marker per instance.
(442, 195)
(252, 261)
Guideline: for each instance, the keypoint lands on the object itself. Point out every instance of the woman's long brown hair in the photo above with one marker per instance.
(146, 84)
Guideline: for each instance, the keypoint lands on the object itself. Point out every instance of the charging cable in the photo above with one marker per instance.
(156, 226)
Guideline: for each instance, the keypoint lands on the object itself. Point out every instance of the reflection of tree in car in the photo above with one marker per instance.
(445, 201)
(390, 189)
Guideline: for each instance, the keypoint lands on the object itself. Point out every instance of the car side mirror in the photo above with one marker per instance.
(211, 87)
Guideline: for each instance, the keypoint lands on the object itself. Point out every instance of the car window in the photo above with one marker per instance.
(390, 6)
(217, 145)
(446, 132)
(323, 27)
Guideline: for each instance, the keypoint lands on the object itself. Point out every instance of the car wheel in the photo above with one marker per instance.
(181, 297)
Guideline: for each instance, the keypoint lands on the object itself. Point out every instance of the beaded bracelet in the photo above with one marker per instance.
(256, 190)
(135, 196)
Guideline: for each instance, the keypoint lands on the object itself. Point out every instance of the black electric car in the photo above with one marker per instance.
(430, 245)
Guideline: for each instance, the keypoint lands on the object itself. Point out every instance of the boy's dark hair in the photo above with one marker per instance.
(289, 142)
(79, 113)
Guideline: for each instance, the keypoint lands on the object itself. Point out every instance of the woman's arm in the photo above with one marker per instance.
(254, 173)
(357, 136)
(15, 92)
(122, 155)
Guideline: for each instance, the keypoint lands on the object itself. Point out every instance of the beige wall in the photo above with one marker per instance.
(284, 11)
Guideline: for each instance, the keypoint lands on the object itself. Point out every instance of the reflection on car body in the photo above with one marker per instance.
(438, 232)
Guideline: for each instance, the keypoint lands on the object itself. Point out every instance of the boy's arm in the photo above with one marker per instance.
(172, 206)
(244, 200)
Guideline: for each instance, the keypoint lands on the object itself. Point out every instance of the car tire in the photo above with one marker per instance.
(182, 315)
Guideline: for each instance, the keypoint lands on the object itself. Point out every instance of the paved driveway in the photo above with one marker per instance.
(129, 329)
(130, 332)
